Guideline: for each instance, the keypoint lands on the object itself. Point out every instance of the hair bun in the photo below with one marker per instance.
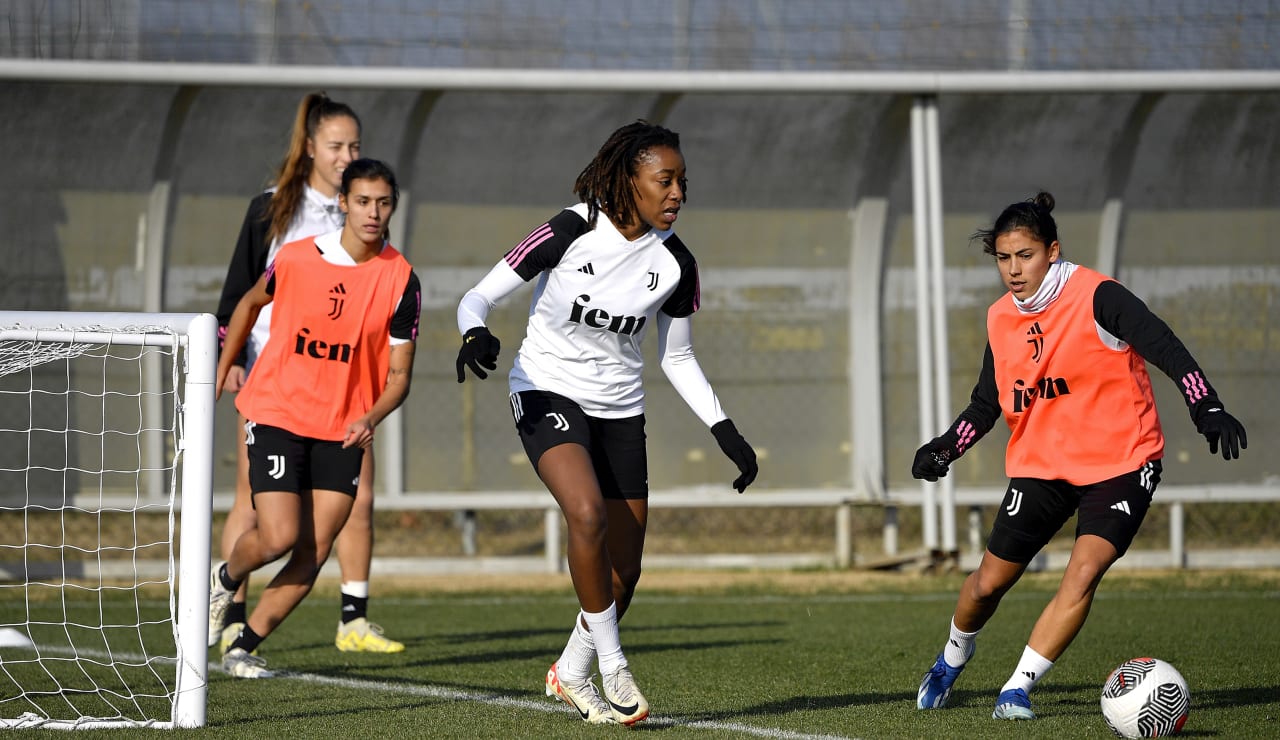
(1044, 200)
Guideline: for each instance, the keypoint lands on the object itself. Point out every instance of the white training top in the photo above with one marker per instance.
(316, 215)
(596, 297)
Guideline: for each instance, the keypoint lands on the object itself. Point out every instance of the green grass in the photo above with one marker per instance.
(742, 655)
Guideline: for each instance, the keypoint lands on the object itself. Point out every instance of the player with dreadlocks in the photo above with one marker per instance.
(607, 270)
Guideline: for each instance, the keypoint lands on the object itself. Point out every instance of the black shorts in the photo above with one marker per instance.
(1033, 511)
(617, 446)
(280, 460)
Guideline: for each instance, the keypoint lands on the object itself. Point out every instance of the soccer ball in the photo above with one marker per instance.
(1145, 697)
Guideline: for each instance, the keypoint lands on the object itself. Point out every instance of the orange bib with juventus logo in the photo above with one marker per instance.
(1077, 400)
(326, 361)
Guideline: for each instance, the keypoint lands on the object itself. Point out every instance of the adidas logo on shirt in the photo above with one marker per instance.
(1122, 506)
(588, 269)
(336, 300)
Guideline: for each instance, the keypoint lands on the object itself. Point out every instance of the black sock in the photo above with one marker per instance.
(235, 612)
(225, 578)
(354, 607)
(248, 640)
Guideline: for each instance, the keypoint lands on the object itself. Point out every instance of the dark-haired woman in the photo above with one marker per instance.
(608, 270)
(303, 202)
(1065, 365)
(335, 365)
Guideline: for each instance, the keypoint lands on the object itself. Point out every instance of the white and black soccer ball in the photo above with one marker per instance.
(1145, 697)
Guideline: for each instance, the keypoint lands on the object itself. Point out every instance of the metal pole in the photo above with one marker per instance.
(924, 349)
(191, 691)
(938, 304)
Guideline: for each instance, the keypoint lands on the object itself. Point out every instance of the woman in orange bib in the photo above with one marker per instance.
(338, 361)
(1065, 365)
(302, 202)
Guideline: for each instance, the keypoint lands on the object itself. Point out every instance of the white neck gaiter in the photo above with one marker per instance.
(1054, 281)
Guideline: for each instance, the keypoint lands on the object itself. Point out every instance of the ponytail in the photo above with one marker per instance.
(295, 170)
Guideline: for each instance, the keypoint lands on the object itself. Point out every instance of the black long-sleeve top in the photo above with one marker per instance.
(1123, 315)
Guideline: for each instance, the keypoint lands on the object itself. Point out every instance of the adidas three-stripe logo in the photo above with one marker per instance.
(1122, 506)
(588, 269)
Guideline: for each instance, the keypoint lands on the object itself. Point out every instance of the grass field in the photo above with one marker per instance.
(753, 655)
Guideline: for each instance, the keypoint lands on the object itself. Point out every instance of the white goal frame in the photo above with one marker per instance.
(196, 336)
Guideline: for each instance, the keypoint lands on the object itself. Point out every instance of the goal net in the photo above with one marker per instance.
(106, 429)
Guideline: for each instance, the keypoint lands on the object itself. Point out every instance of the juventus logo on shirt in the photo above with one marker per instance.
(336, 300)
(653, 281)
(1036, 341)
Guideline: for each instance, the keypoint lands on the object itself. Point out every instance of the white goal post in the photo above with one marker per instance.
(96, 408)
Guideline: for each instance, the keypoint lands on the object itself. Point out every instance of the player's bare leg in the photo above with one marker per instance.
(241, 518)
(355, 541)
(980, 596)
(273, 536)
(1062, 619)
(567, 471)
(355, 554)
(628, 519)
(278, 529)
(983, 589)
(1059, 623)
(625, 542)
(308, 537)
(322, 515)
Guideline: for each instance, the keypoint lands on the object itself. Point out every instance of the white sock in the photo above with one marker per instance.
(959, 646)
(358, 589)
(575, 662)
(604, 633)
(1031, 668)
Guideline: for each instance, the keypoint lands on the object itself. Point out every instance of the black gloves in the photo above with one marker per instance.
(479, 349)
(1218, 426)
(738, 450)
(932, 460)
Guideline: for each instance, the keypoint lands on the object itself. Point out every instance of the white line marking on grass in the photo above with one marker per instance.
(550, 705)
(442, 692)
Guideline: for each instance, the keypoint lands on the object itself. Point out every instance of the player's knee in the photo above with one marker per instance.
(321, 553)
(625, 578)
(586, 520)
(313, 572)
(273, 551)
(361, 516)
(988, 587)
(275, 543)
(1082, 579)
(299, 573)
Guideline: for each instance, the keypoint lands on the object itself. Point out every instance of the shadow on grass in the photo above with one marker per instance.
(268, 717)
(1060, 700)
(1234, 697)
(626, 629)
